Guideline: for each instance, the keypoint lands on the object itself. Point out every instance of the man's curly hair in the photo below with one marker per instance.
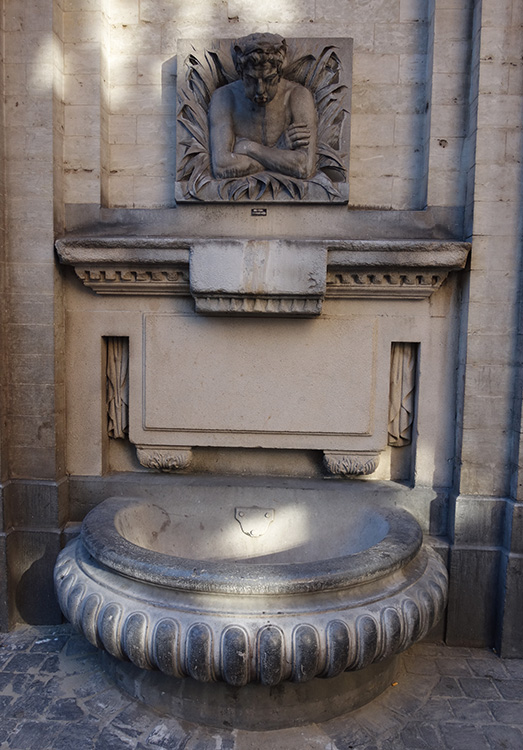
(258, 50)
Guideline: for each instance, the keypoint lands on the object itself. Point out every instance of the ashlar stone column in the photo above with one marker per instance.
(33, 490)
(486, 560)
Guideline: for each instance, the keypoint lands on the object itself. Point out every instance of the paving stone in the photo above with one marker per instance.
(42, 631)
(51, 665)
(385, 745)
(515, 668)
(227, 743)
(430, 734)
(403, 701)
(428, 649)
(24, 663)
(109, 739)
(210, 742)
(53, 688)
(492, 667)
(382, 723)
(20, 683)
(77, 736)
(65, 709)
(35, 684)
(346, 735)
(469, 710)
(434, 710)
(20, 640)
(4, 656)
(458, 652)
(29, 706)
(448, 687)
(503, 738)
(412, 739)
(78, 645)
(420, 665)
(91, 685)
(107, 703)
(83, 665)
(49, 644)
(512, 690)
(507, 712)
(6, 680)
(166, 736)
(5, 700)
(479, 687)
(464, 737)
(7, 728)
(300, 738)
(453, 667)
(419, 685)
(134, 720)
(33, 735)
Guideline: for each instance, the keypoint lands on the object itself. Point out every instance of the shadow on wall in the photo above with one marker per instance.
(35, 596)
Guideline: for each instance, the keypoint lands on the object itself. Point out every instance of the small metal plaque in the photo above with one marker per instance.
(254, 521)
(258, 212)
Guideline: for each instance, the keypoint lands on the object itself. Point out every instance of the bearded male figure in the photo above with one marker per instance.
(262, 121)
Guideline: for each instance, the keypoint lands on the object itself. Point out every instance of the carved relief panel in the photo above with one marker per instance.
(263, 118)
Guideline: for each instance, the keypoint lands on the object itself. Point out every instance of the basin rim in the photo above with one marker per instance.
(106, 545)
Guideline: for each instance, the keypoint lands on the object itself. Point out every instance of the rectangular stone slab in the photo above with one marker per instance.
(248, 383)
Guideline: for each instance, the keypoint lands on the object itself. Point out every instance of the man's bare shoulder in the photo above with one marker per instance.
(296, 90)
(227, 93)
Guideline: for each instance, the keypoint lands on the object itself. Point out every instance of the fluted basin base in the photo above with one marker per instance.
(253, 707)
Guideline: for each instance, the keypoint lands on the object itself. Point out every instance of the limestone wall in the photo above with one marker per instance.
(490, 440)
(32, 493)
(410, 87)
(88, 146)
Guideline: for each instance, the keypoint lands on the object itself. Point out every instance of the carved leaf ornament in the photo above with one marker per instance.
(319, 72)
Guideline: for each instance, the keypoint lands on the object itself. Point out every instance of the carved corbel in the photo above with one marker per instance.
(348, 464)
(168, 460)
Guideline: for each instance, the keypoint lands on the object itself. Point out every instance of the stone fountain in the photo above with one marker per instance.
(260, 604)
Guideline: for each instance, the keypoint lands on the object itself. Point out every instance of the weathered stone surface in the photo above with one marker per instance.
(289, 276)
(366, 614)
(282, 139)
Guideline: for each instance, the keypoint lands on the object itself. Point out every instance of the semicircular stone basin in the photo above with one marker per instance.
(264, 585)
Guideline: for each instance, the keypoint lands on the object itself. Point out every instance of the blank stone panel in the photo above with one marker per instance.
(254, 383)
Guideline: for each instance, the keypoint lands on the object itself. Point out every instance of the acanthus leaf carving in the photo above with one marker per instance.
(344, 464)
(168, 460)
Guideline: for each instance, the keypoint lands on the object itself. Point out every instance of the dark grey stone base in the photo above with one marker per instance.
(253, 707)
(32, 513)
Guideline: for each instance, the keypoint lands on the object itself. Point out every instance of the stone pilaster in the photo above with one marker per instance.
(33, 494)
(491, 559)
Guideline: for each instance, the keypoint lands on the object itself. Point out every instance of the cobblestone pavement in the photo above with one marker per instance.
(53, 695)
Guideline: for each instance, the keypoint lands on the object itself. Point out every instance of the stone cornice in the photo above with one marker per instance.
(149, 265)
(128, 265)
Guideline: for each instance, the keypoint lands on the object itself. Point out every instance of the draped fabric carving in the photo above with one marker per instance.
(117, 386)
(402, 393)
